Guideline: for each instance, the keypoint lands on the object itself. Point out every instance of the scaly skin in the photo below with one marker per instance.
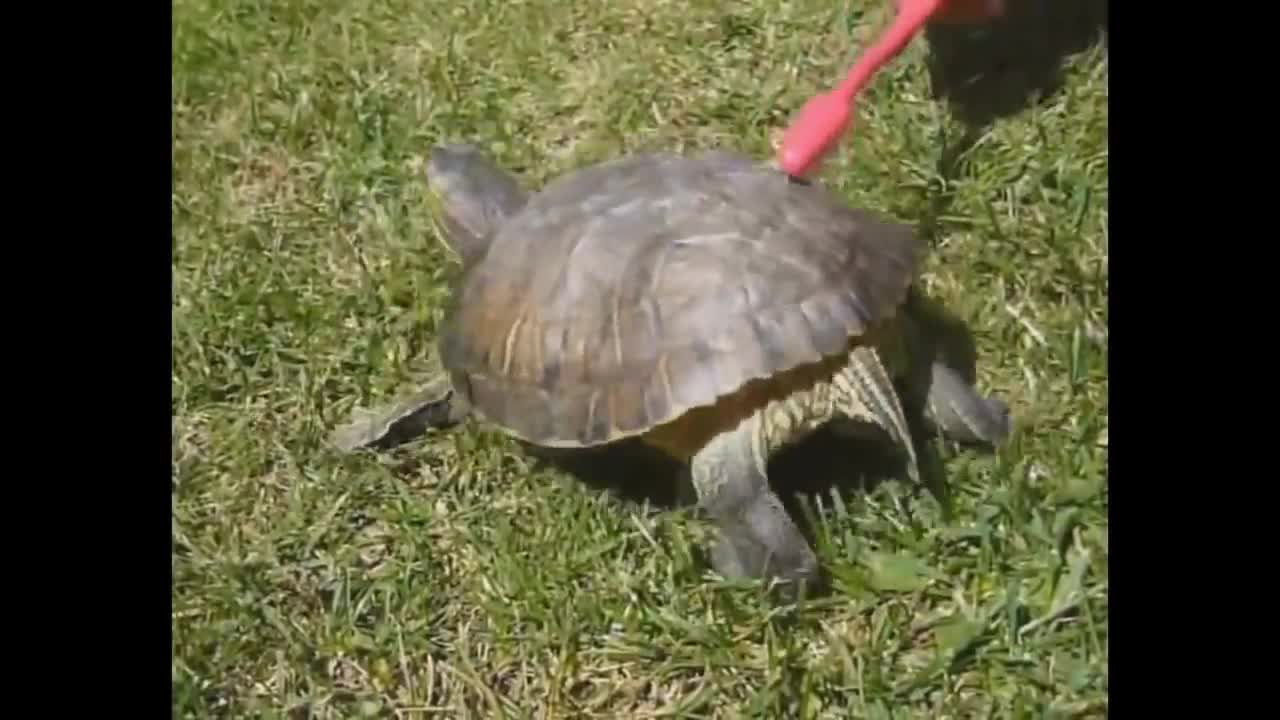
(730, 475)
(960, 413)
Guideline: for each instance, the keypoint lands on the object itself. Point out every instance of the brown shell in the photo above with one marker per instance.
(628, 293)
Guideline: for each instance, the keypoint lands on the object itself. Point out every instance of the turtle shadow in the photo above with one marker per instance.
(629, 469)
(1002, 67)
(639, 474)
(999, 69)
(941, 336)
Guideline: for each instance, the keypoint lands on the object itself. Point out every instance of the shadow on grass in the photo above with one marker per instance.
(1000, 69)
(996, 70)
(638, 473)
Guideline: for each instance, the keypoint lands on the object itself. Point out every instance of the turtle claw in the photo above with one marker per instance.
(434, 406)
(738, 556)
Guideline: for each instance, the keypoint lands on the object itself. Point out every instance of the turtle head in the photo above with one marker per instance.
(474, 196)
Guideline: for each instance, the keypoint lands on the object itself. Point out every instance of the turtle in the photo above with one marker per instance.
(714, 307)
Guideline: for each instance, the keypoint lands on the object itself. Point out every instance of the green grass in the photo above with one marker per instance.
(457, 576)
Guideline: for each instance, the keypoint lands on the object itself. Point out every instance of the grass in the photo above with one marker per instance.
(458, 576)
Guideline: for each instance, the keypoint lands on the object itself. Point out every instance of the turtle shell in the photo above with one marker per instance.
(626, 294)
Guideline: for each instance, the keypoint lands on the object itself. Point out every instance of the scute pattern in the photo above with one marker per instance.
(630, 292)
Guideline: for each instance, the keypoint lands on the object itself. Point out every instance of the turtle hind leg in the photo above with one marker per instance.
(435, 405)
(864, 391)
(758, 539)
(960, 413)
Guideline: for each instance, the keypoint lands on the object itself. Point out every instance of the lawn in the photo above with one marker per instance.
(460, 576)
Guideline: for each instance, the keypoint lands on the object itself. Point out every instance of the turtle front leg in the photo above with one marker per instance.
(757, 537)
(961, 413)
(435, 405)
